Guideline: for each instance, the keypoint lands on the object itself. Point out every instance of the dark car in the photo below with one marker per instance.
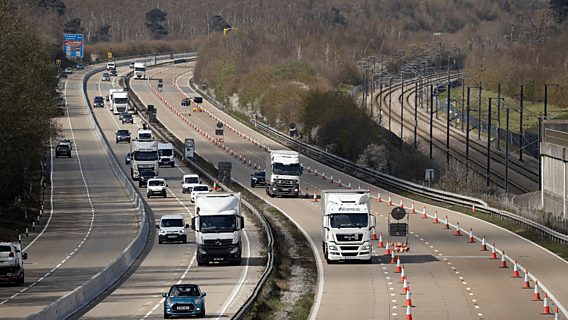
(186, 102)
(113, 73)
(127, 118)
(144, 175)
(184, 300)
(257, 178)
(79, 66)
(122, 135)
(120, 115)
(99, 102)
(63, 149)
(128, 158)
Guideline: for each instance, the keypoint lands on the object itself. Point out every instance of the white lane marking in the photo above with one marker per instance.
(90, 204)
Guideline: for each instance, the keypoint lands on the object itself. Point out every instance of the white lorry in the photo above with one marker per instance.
(139, 70)
(283, 173)
(166, 154)
(144, 134)
(144, 155)
(12, 263)
(346, 225)
(218, 225)
(119, 101)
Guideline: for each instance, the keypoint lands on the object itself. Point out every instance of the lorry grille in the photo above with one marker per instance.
(218, 242)
(349, 237)
(349, 247)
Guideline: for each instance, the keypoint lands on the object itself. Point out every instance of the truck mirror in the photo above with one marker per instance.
(373, 221)
(25, 255)
(242, 222)
(193, 223)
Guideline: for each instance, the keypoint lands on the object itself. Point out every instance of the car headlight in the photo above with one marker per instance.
(162, 231)
(332, 248)
(202, 251)
(198, 301)
(181, 231)
(235, 250)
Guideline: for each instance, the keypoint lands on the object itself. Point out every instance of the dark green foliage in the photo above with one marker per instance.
(154, 21)
(559, 9)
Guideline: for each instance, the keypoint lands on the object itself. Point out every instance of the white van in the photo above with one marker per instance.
(189, 181)
(12, 262)
(172, 228)
(111, 65)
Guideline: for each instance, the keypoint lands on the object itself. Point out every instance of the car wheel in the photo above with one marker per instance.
(148, 195)
(200, 263)
(122, 122)
(164, 194)
(139, 185)
(252, 185)
(201, 314)
(166, 316)
(21, 280)
(173, 164)
(184, 240)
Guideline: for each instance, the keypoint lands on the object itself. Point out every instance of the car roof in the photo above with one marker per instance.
(123, 131)
(159, 179)
(200, 185)
(99, 97)
(185, 285)
(171, 216)
(190, 176)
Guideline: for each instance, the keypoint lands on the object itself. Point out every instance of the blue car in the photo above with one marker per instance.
(184, 300)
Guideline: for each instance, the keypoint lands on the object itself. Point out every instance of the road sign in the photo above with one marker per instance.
(109, 55)
(73, 45)
(429, 175)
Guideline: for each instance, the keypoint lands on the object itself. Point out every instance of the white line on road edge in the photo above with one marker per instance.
(90, 204)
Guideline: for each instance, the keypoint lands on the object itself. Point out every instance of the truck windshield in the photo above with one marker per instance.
(166, 223)
(139, 69)
(145, 156)
(213, 224)
(121, 100)
(192, 180)
(352, 220)
(145, 136)
(287, 169)
(166, 152)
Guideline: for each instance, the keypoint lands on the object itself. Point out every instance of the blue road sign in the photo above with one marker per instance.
(73, 45)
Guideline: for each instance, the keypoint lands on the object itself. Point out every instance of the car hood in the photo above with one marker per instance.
(183, 300)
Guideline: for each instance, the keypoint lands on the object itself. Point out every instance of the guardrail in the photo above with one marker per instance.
(83, 295)
(240, 314)
(435, 194)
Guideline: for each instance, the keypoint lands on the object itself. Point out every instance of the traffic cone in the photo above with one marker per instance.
(338, 183)
(436, 217)
(323, 175)
(536, 294)
(424, 216)
(380, 245)
(483, 245)
(315, 198)
(493, 253)
(393, 260)
(408, 300)
(503, 263)
(402, 274)
(404, 286)
(526, 283)
(401, 204)
(214, 185)
(516, 270)
(408, 313)
(471, 238)
(387, 249)
(398, 266)
(379, 198)
(458, 229)
(331, 179)
(545, 307)
(473, 208)
(390, 200)
(412, 208)
(446, 223)
(374, 235)
(556, 314)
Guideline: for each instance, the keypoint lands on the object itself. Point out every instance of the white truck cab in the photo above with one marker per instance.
(189, 181)
(172, 227)
(283, 171)
(111, 65)
(12, 263)
(346, 225)
(197, 189)
(144, 134)
(156, 187)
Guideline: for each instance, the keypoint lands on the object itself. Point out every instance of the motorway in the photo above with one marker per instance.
(90, 218)
(449, 278)
(139, 297)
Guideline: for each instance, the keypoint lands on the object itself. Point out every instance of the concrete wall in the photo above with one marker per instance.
(554, 162)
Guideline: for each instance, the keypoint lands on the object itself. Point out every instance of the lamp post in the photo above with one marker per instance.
(488, 172)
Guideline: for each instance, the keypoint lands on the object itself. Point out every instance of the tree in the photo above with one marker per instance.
(559, 9)
(217, 24)
(102, 33)
(154, 20)
(73, 26)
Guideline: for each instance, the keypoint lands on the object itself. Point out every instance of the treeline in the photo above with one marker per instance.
(27, 106)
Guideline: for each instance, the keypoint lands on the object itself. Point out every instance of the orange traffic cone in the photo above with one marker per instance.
(408, 313)
(401, 204)
(380, 245)
(398, 266)
(526, 283)
(493, 253)
(424, 216)
(379, 198)
(315, 198)
(536, 294)
(374, 235)
(402, 274)
(503, 263)
(516, 270)
(390, 200)
(408, 299)
(446, 223)
(483, 245)
(412, 208)
(393, 260)
(436, 217)
(545, 307)
(458, 229)
(404, 286)
(471, 238)
(387, 249)
(556, 314)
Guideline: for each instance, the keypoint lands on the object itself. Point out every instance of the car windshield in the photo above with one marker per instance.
(98, 99)
(105, 74)
(352, 220)
(145, 155)
(287, 169)
(63, 146)
(259, 174)
(166, 152)
(5, 249)
(123, 132)
(127, 116)
(155, 183)
(121, 100)
(212, 224)
(184, 292)
(201, 188)
(166, 223)
(191, 180)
